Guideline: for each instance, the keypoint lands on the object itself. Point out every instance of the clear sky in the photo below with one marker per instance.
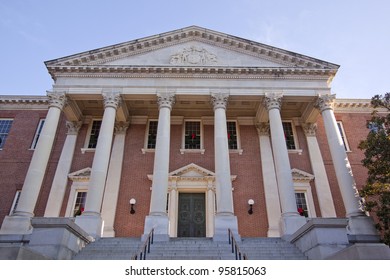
(354, 34)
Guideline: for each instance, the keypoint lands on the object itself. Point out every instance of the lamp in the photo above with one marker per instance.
(250, 202)
(132, 203)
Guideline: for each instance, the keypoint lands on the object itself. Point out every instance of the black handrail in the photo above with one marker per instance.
(145, 248)
(235, 249)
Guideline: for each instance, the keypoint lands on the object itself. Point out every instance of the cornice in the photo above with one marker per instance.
(147, 44)
(24, 102)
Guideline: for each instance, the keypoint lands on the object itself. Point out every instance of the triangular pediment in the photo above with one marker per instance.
(191, 171)
(192, 46)
(80, 175)
(300, 175)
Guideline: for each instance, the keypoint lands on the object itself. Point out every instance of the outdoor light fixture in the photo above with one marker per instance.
(132, 203)
(250, 202)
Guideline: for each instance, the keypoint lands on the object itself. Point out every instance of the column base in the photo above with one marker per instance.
(108, 232)
(273, 232)
(221, 225)
(16, 225)
(91, 224)
(290, 224)
(160, 224)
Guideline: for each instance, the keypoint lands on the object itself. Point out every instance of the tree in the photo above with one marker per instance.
(376, 147)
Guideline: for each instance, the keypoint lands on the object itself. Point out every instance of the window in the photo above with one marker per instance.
(343, 136)
(152, 135)
(15, 202)
(289, 135)
(5, 126)
(232, 135)
(300, 198)
(94, 134)
(192, 139)
(37, 133)
(79, 205)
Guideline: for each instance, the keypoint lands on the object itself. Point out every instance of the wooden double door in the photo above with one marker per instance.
(191, 215)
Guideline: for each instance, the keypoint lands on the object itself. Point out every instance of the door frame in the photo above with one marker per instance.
(203, 195)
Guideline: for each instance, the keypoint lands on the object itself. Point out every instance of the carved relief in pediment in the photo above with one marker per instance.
(193, 56)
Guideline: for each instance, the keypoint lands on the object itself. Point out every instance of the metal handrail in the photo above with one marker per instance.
(145, 248)
(235, 248)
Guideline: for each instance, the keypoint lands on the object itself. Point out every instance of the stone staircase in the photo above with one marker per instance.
(270, 248)
(110, 248)
(190, 249)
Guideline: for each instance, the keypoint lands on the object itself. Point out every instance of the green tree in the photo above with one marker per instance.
(376, 147)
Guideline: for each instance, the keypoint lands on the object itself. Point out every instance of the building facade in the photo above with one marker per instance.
(190, 133)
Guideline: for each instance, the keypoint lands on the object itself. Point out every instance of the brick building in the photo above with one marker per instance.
(190, 133)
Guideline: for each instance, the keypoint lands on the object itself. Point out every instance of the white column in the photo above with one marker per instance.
(173, 196)
(272, 201)
(60, 181)
(291, 220)
(210, 208)
(225, 218)
(158, 218)
(19, 222)
(359, 225)
(91, 220)
(113, 179)
(324, 194)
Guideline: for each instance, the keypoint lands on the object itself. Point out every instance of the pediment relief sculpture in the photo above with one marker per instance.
(193, 56)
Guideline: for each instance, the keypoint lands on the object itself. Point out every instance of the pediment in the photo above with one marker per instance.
(191, 171)
(300, 175)
(192, 46)
(80, 175)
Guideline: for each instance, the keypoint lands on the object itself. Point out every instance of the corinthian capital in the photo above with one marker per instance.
(219, 100)
(121, 127)
(111, 99)
(325, 102)
(273, 101)
(263, 129)
(166, 100)
(56, 99)
(310, 129)
(73, 127)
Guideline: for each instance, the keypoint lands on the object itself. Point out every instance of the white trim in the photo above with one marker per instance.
(340, 126)
(15, 201)
(37, 134)
(304, 187)
(295, 136)
(88, 137)
(6, 119)
(77, 186)
(185, 151)
(239, 150)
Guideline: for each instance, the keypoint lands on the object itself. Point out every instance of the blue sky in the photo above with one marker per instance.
(352, 33)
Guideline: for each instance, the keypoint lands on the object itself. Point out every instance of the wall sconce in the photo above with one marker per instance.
(132, 203)
(250, 202)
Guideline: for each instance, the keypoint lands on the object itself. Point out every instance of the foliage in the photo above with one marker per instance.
(376, 147)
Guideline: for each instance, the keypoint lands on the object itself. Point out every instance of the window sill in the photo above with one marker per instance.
(236, 151)
(144, 151)
(87, 150)
(299, 152)
(192, 151)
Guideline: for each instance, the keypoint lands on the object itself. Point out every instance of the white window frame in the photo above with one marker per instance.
(239, 149)
(302, 187)
(183, 150)
(7, 119)
(295, 136)
(77, 186)
(145, 149)
(15, 202)
(37, 134)
(340, 127)
(86, 143)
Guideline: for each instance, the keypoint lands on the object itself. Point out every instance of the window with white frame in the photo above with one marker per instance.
(152, 135)
(192, 135)
(37, 134)
(94, 134)
(5, 127)
(232, 135)
(15, 202)
(79, 205)
(301, 201)
(343, 136)
(289, 135)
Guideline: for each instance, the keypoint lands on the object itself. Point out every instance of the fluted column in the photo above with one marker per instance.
(272, 201)
(58, 187)
(225, 218)
(19, 222)
(91, 220)
(291, 220)
(324, 194)
(113, 179)
(158, 218)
